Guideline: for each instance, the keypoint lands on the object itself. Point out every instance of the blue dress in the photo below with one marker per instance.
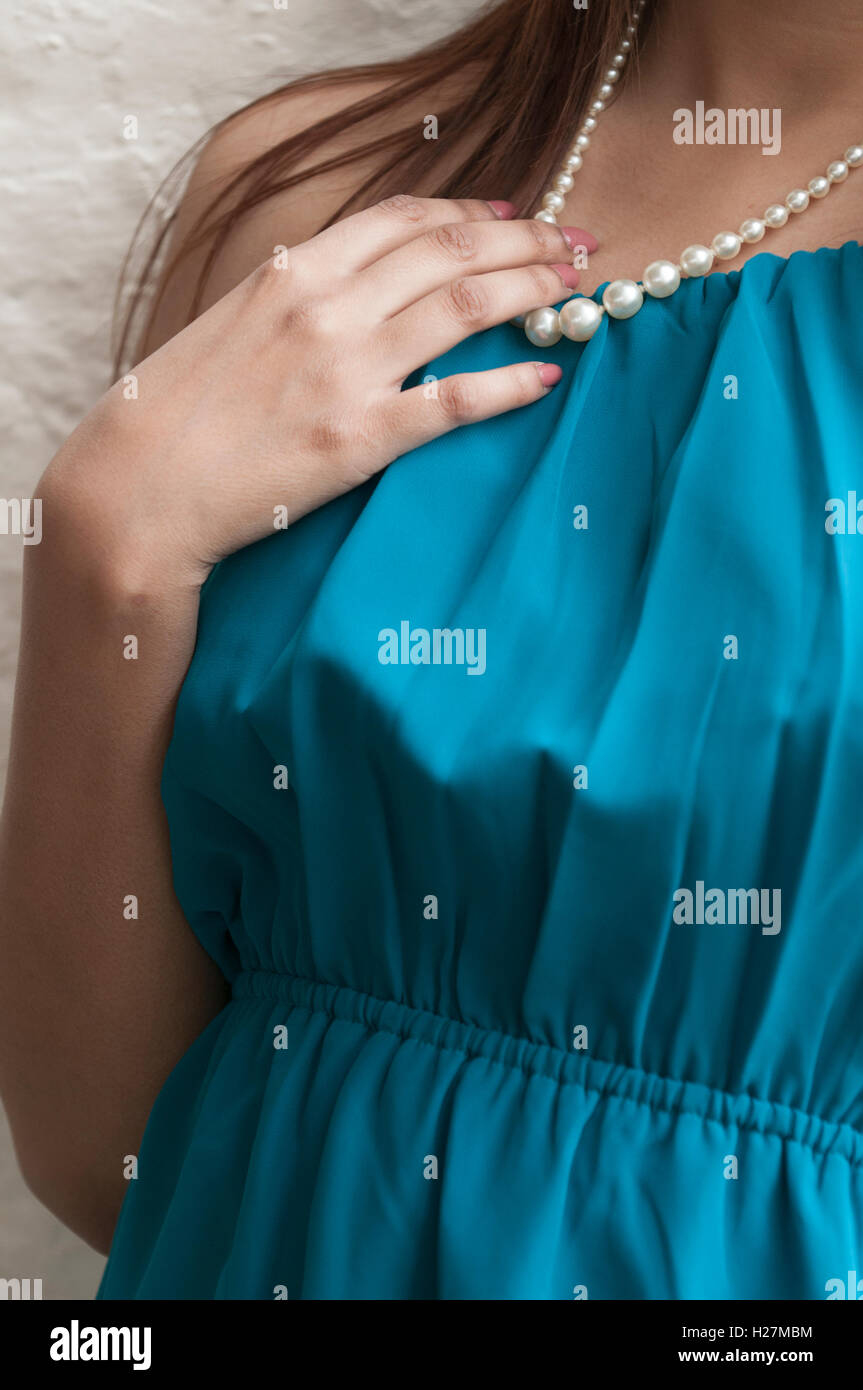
(518, 796)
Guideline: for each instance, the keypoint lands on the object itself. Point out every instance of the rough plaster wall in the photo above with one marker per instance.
(71, 191)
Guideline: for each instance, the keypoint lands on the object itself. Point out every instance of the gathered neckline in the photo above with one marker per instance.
(739, 271)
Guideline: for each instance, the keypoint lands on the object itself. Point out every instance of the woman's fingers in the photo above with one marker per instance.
(363, 238)
(455, 249)
(446, 317)
(425, 412)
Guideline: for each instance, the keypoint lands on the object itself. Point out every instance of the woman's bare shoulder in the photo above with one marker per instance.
(291, 216)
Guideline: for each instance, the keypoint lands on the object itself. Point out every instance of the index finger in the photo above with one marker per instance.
(364, 237)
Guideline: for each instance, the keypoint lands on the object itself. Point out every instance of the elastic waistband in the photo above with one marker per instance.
(608, 1080)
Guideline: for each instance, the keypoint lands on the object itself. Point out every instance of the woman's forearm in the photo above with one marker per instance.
(98, 998)
(283, 395)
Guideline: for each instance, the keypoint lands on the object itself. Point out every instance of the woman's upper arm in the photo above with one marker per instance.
(103, 986)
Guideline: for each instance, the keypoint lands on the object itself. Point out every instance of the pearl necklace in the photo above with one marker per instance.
(621, 299)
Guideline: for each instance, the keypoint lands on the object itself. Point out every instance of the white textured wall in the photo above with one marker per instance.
(71, 191)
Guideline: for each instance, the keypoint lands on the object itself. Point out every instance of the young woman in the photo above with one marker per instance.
(512, 787)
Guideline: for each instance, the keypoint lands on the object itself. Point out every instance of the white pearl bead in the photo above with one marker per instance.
(625, 45)
(580, 318)
(545, 215)
(612, 75)
(564, 183)
(596, 107)
(573, 161)
(605, 91)
(726, 245)
(619, 60)
(752, 229)
(661, 278)
(854, 156)
(582, 142)
(776, 215)
(589, 124)
(819, 187)
(797, 200)
(622, 299)
(837, 172)
(554, 202)
(696, 259)
(542, 327)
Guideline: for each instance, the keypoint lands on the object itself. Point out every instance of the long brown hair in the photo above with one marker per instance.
(534, 66)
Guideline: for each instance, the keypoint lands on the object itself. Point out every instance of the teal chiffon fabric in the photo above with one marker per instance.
(510, 1073)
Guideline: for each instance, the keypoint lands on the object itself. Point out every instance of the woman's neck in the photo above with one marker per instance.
(647, 191)
(794, 54)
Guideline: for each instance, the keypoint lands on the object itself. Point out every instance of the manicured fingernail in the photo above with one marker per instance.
(576, 236)
(549, 373)
(501, 208)
(568, 275)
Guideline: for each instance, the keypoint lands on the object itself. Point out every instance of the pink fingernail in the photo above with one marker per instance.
(576, 236)
(500, 208)
(549, 373)
(568, 275)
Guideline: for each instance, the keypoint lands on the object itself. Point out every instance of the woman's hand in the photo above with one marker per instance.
(287, 392)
